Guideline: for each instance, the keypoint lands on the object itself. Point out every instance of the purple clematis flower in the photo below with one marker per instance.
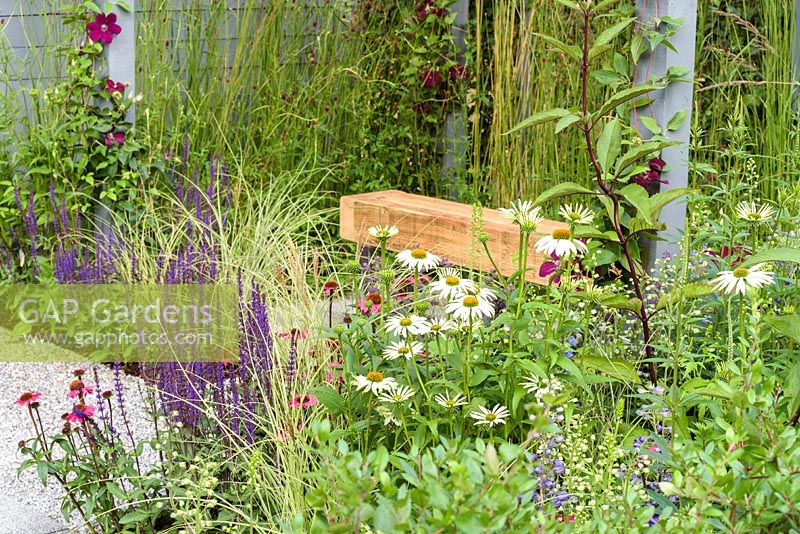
(103, 28)
(431, 79)
(112, 86)
(116, 138)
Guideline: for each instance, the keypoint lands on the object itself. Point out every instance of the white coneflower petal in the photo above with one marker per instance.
(407, 325)
(579, 214)
(439, 326)
(561, 244)
(755, 214)
(396, 395)
(401, 349)
(373, 382)
(493, 417)
(450, 284)
(446, 401)
(739, 280)
(383, 233)
(470, 307)
(419, 259)
(524, 214)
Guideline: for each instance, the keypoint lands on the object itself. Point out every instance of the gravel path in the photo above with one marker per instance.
(26, 507)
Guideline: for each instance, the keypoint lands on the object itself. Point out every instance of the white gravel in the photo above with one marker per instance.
(25, 505)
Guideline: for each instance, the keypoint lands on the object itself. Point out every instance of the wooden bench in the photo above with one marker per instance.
(441, 226)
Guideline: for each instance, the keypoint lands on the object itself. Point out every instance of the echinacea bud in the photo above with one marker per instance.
(387, 276)
(352, 267)
(347, 319)
(107, 394)
(34, 405)
(483, 237)
(21, 444)
(421, 307)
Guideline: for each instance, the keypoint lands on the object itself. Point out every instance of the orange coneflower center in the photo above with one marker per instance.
(419, 254)
(561, 233)
(374, 298)
(375, 376)
(405, 321)
(452, 280)
(741, 272)
(76, 385)
(26, 396)
(470, 301)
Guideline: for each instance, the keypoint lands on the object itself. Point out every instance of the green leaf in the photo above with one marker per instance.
(621, 302)
(642, 151)
(626, 95)
(791, 255)
(607, 77)
(329, 398)
(571, 50)
(568, 365)
(662, 198)
(563, 189)
(608, 145)
(539, 118)
(677, 120)
(638, 197)
(638, 47)
(566, 121)
(788, 325)
(42, 469)
(598, 51)
(690, 291)
(651, 124)
(610, 33)
(136, 516)
(568, 3)
(637, 225)
(618, 368)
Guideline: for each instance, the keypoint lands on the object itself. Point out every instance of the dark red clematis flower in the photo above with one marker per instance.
(738, 252)
(428, 7)
(431, 79)
(112, 86)
(657, 164)
(116, 138)
(459, 72)
(103, 28)
(646, 179)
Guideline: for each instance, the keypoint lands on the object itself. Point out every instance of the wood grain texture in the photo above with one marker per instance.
(441, 226)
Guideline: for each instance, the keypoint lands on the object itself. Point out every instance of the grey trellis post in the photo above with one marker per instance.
(676, 97)
(455, 127)
(120, 57)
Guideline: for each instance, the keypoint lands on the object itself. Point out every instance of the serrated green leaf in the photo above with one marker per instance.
(640, 152)
(566, 121)
(617, 368)
(638, 197)
(651, 124)
(788, 325)
(598, 51)
(571, 50)
(607, 77)
(539, 118)
(791, 255)
(610, 33)
(609, 145)
(662, 198)
(329, 398)
(677, 120)
(568, 365)
(621, 302)
(562, 190)
(626, 95)
(637, 225)
(689, 291)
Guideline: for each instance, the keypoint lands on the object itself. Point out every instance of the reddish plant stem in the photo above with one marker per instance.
(623, 239)
(795, 417)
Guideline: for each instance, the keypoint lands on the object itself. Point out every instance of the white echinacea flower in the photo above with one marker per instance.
(495, 416)
(373, 382)
(446, 401)
(741, 279)
(450, 284)
(407, 325)
(396, 395)
(754, 214)
(402, 349)
(524, 214)
(468, 307)
(579, 214)
(383, 233)
(561, 244)
(418, 259)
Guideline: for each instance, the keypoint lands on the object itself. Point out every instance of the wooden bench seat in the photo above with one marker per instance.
(440, 226)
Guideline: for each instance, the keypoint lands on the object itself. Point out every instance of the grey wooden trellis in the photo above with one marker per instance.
(120, 55)
(676, 97)
(455, 126)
